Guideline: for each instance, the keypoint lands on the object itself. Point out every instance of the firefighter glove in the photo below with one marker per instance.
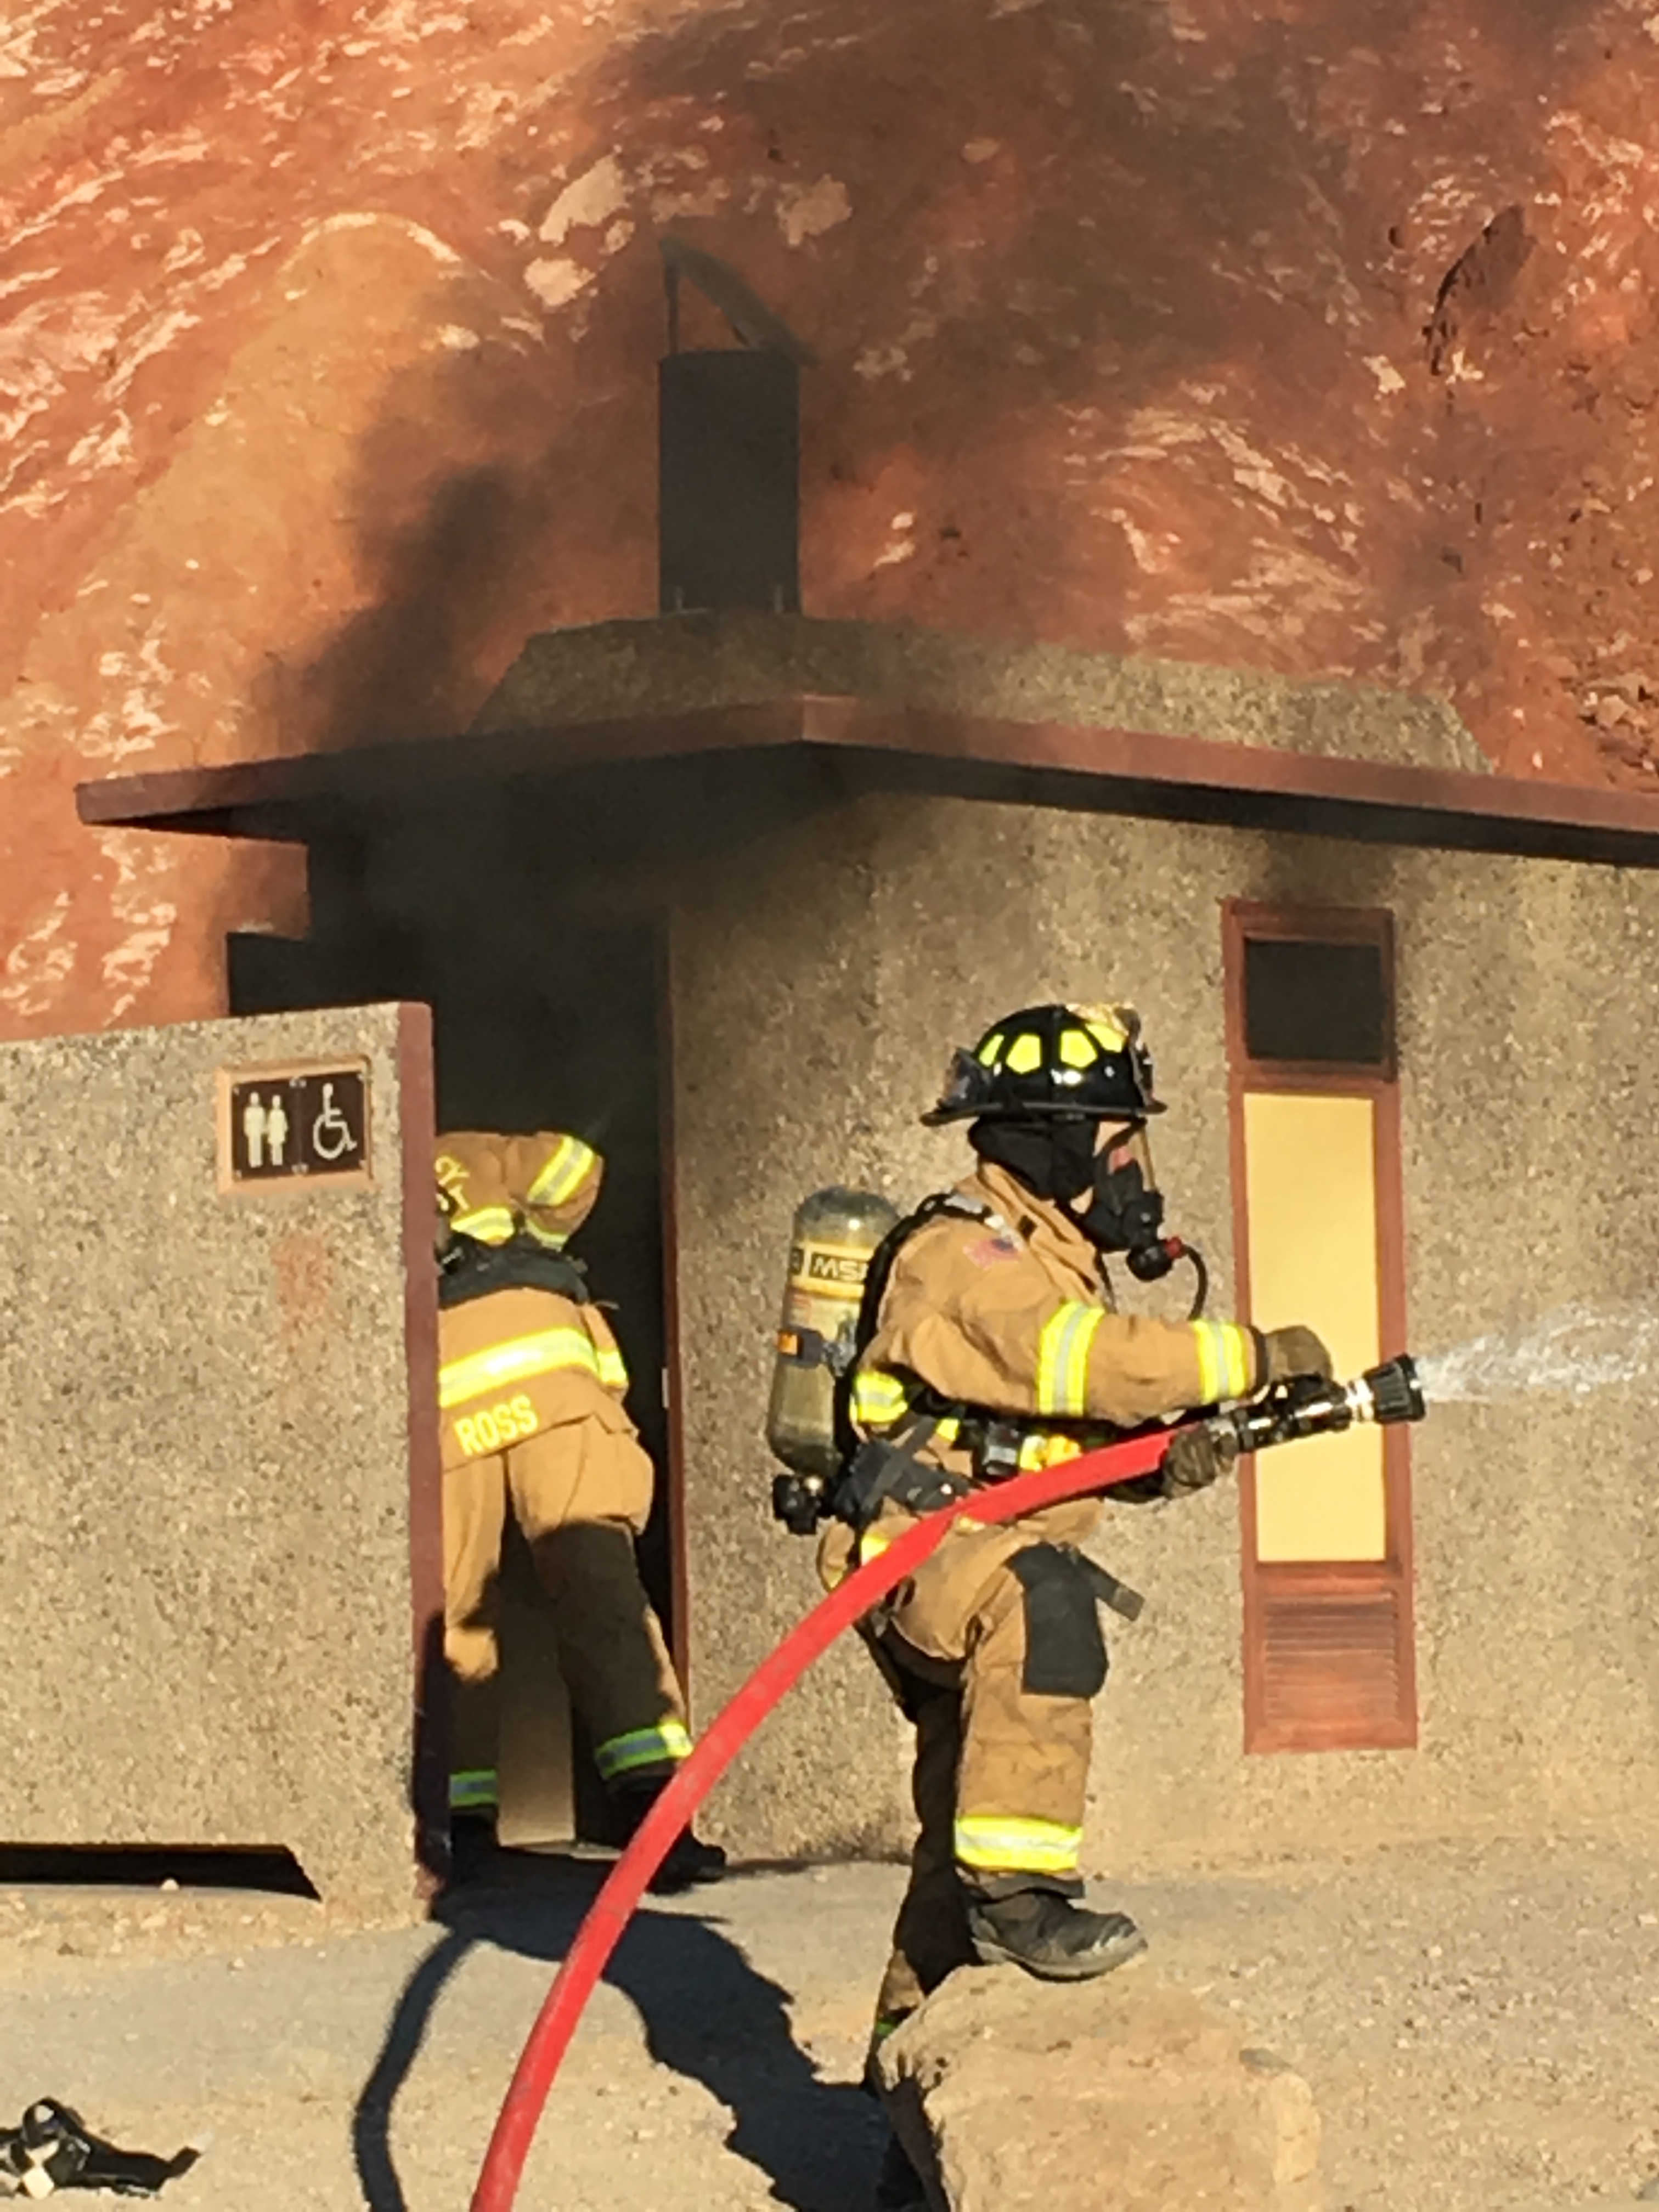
(1294, 1351)
(1196, 1458)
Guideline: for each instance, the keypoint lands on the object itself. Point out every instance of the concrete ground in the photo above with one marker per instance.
(1480, 2027)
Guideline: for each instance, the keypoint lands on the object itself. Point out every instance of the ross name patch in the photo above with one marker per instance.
(497, 1426)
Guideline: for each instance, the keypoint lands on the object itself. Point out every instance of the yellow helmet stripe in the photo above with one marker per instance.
(567, 1168)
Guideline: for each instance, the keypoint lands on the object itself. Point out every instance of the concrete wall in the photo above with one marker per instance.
(776, 1091)
(819, 986)
(209, 1552)
(739, 657)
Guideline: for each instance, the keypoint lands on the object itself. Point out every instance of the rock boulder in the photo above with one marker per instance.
(1114, 2096)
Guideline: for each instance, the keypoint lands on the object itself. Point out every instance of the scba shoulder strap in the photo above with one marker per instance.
(470, 1270)
(877, 1277)
(878, 1468)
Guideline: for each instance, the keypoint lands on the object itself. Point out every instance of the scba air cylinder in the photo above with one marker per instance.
(830, 1243)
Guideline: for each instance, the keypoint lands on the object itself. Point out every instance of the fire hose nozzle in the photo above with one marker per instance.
(1308, 1405)
(1388, 1394)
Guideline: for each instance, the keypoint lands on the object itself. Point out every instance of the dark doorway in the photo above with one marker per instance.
(544, 1016)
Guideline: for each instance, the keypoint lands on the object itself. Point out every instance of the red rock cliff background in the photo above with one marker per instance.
(1316, 335)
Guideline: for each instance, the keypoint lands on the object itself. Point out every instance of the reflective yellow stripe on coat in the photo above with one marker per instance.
(554, 1240)
(487, 1225)
(1048, 1448)
(516, 1360)
(567, 1168)
(613, 1368)
(879, 1400)
(1225, 1358)
(1062, 1385)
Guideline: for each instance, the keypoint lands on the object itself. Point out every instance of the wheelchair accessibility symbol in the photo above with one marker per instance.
(332, 1135)
(293, 1124)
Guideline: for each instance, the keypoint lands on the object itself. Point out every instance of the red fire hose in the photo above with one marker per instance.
(613, 1908)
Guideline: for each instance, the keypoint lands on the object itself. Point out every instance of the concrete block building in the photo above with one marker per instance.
(722, 890)
(1230, 512)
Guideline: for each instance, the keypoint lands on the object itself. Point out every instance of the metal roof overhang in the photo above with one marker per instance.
(835, 747)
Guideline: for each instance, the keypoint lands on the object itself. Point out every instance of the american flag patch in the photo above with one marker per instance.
(991, 1251)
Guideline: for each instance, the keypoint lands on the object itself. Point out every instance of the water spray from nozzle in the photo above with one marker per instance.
(1570, 1353)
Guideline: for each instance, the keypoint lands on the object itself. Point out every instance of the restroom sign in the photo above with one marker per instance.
(294, 1125)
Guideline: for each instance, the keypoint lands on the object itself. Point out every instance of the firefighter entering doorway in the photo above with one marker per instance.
(531, 1387)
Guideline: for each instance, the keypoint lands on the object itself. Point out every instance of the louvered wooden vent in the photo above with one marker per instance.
(1331, 1667)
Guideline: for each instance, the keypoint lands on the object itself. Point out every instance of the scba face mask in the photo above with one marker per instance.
(1106, 1189)
(1125, 1211)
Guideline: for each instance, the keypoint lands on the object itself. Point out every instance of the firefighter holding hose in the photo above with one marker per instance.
(988, 1343)
(530, 1386)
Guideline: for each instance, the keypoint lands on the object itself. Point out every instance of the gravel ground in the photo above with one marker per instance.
(1481, 2029)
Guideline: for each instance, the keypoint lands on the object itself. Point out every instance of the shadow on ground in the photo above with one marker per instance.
(707, 2014)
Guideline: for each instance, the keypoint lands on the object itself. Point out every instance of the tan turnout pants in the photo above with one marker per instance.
(581, 1492)
(994, 1648)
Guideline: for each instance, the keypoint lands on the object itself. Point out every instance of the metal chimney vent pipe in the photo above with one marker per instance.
(728, 453)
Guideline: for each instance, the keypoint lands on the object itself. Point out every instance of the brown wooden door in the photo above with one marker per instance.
(1329, 1643)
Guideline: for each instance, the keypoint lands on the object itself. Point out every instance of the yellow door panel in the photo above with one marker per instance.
(1311, 1193)
(1322, 1499)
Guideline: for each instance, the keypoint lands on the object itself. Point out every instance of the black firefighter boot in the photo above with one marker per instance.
(1050, 1936)
(689, 1861)
(899, 2187)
